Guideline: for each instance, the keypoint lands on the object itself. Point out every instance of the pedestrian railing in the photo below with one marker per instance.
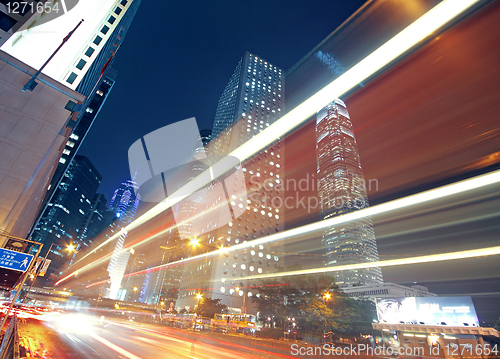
(10, 342)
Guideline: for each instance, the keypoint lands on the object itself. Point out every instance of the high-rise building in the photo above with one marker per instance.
(40, 123)
(35, 40)
(65, 218)
(97, 220)
(85, 121)
(124, 204)
(342, 189)
(252, 100)
(96, 85)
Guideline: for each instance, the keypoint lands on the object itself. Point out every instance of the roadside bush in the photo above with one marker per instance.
(273, 333)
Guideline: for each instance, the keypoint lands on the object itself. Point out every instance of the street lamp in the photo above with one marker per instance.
(194, 242)
(244, 297)
(70, 248)
(326, 296)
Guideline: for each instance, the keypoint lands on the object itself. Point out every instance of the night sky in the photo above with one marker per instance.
(178, 57)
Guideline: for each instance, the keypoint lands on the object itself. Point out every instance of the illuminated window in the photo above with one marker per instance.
(70, 144)
(66, 152)
(62, 160)
(73, 136)
(89, 110)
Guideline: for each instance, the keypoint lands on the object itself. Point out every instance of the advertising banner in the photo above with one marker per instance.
(451, 311)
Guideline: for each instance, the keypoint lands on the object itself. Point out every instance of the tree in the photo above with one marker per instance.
(209, 307)
(314, 304)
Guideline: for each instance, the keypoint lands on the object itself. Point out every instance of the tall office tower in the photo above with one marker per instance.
(36, 40)
(341, 189)
(96, 85)
(85, 121)
(65, 217)
(252, 100)
(206, 136)
(124, 203)
(42, 125)
(96, 221)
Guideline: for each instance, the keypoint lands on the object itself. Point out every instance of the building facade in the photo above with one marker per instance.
(124, 204)
(388, 290)
(341, 190)
(252, 101)
(65, 218)
(36, 39)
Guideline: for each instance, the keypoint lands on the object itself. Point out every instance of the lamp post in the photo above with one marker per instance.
(326, 296)
(244, 297)
(70, 248)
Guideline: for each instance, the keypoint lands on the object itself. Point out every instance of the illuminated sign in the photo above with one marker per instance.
(452, 311)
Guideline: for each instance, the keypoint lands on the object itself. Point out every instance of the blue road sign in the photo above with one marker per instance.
(15, 260)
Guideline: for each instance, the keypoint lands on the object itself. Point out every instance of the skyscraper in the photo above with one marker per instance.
(44, 123)
(252, 100)
(65, 217)
(342, 189)
(35, 40)
(124, 203)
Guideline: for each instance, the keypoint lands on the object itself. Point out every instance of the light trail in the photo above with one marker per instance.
(313, 228)
(482, 252)
(440, 15)
(114, 347)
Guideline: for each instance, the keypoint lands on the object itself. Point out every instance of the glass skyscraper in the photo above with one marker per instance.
(124, 203)
(342, 189)
(64, 219)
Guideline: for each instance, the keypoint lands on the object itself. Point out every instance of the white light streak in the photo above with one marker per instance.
(411, 36)
(406, 202)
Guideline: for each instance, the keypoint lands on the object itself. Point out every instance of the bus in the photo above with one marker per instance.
(236, 323)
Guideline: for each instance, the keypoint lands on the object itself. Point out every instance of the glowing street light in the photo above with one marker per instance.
(194, 241)
(135, 289)
(199, 296)
(327, 296)
(71, 248)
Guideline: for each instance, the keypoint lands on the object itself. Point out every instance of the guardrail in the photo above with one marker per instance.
(10, 342)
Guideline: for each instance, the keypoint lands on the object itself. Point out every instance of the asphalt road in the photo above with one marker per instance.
(74, 336)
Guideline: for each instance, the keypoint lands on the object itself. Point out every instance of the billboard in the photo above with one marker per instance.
(451, 311)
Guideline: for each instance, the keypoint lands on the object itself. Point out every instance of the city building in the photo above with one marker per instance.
(34, 126)
(124, 204)
(388, 290)
(38, 122)
(36, 39)
(96, 85)
(342, 189)
(96, 221)
(65, 218)
(252, 100)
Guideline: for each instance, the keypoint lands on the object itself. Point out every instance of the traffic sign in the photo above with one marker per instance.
(14, 260)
